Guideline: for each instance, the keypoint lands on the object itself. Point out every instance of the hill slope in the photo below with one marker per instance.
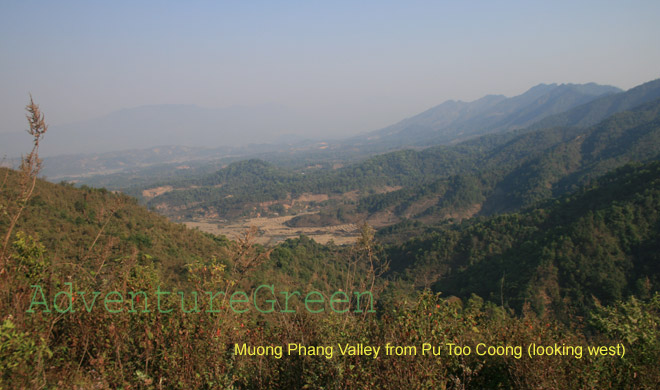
(86, 225)
(598, 109)
(598, 245)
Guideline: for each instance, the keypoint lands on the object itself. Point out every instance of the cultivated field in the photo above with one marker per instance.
(273, 230)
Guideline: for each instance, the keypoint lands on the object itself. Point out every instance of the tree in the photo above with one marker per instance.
(366, 265)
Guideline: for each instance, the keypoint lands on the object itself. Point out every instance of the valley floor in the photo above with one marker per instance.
(274, 230)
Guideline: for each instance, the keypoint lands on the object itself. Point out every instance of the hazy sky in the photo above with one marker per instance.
(351, 66)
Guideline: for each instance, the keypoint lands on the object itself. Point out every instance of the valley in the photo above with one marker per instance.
(483, 176)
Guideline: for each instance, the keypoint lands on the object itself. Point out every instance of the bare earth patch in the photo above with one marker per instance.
(154, 192)
(273, 230)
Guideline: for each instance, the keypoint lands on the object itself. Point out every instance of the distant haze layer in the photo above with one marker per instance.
(190, 125)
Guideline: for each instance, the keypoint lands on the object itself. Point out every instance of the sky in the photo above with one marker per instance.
(344, 66)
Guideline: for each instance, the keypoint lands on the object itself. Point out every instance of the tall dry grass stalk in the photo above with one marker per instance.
(29, 170)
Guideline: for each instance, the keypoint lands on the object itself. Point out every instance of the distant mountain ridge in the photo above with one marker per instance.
(193, 128)
(453, 121)
(598, 109)
(151, 126)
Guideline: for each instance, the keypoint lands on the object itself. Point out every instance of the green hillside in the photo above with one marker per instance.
(599, 244)
(84, 225)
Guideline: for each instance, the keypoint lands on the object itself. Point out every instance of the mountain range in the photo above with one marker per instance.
(96, 146)
(453, 121)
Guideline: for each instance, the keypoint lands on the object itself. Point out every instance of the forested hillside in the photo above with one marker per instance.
(598, 245)
(86, 225)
